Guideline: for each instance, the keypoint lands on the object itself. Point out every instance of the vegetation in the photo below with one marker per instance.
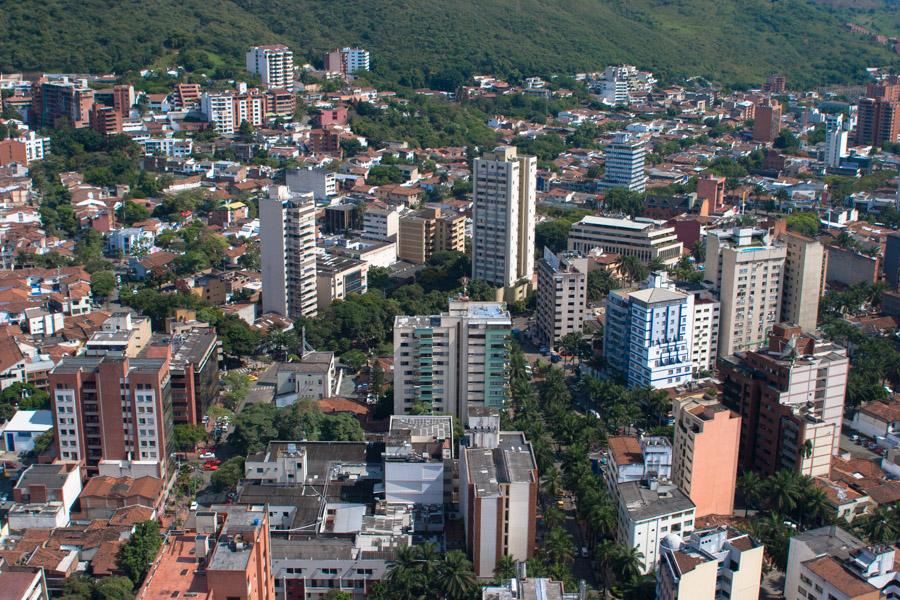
(106, 588)
(424, 572)
(187, 436)
(804, 223)
(452, 40)
(139, 552)
(228, 475)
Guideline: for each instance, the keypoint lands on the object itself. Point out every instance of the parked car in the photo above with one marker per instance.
(584, 552)
(194, 506)
(206, 455)
(213, 461)
(210, 467)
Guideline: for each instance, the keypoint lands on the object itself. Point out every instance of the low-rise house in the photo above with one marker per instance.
(102, 496)
(25, 426)
(879, 420)
(44, 496)
(313, 378)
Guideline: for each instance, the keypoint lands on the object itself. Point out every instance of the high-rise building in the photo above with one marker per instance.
(705, 457)
(712, 189)
(228, 110)
(498, 490)
(839, 564)
(747, 271)
(892, 259)
(288, 221)
(382, 221)
(767, 122)
(274, 65)
(775, 84)
(649, 505)
(503, 217)
(648, 334)
(63, 99)
(645, 239)
(805, 266)
(705, 328)
(105, 120)
(346, 61)
(697, 567)
(791, 401)
(112, 407)
(625, 163)
(878, 119)
(561, 296)
(453, 361)
(423, 232)
(837, 130)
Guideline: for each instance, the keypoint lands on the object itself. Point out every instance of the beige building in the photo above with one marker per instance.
(705, 338)
(561, 296)
(338, 276)
(747, 271)
(804, 280)
(705, 456)
(503, 217)
(123, 332)
(426, 231)
(710, 564)
(645, 239)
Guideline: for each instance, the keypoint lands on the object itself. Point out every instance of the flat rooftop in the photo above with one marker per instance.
(643, 503)
(615, 223)
(76, 364)
(175, 573)
(512, 462)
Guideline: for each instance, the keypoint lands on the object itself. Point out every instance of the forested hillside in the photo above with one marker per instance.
(435, 43)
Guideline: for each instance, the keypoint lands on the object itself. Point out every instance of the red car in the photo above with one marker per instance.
(210, 467)
(213, 461)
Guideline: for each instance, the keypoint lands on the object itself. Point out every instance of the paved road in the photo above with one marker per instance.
(857, 451)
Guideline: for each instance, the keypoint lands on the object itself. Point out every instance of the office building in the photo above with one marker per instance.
(503, 217)
(339, 276)
(320, 182)
(830, 563)
(113, 408)
(561, 296)
(498, 490)
(643, 238)
(454, 361)
(428, 230)
(791, 401)
(878, 114)
(62, 99)
(747, 271)
(837, 130)
(805, 266)
(648, 504)
(705, 457)
(342, 218)
(648, 334)
(767, 122)
(624, 167)
(274, 65)
(710, 564)
(288, 252)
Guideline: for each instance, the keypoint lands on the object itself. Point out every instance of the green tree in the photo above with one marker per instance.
(455, 577)
(103, 283)
(342, 428)
(136, 555)
(113, 588)
(187, 436)
(355, 358)
(228, 474)
(752, 489)
(505, 569)
(132, 212)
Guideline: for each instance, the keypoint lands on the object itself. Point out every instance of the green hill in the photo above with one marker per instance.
(435, 43)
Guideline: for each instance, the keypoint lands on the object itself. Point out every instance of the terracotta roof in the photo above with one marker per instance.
(131, 515)
(10, 354)
(342, 405)
(742, 543)
(122, 487)
(158, 259)
(883, 411)
(625, 450)
(105, 561)
(886, 493)
(838, 492)
(686, 562)
(832, 571)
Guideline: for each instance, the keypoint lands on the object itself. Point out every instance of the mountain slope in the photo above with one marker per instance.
(435, 42)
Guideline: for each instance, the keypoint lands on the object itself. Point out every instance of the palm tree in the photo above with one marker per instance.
(783, 491)
(558, 547)
(404, 575)
(455, 577)
(632, 269)
(815, 508)
(656, 264)
(551, 482)
(601, 520)
(751, 487)
(629, 561)
(505, 568)
(881, 526)
(605, 557)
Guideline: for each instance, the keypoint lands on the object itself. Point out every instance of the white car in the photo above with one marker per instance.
(194, 506)
(207, 455)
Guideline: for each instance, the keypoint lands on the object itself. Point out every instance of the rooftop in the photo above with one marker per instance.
(644, 503)
(175, 573)
(615, 223)
(512, 462)
(626, 450)
(30, 420)
(831, 570)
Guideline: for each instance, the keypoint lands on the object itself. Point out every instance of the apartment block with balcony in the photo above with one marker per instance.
(561, 296)
(274, 64)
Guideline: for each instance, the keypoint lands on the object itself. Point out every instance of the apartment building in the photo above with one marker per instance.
(453, 361)
(418, 460)
(624, 166)
(274, 64)
(837, 132)
(878, 114)
(747, 271)
(339, 276)
(498, 483)
(705, 328)
(122, 333)
(428, 230)
(561, 296)
(346, 61)
(105, 120)
(112, 408)
(791, 401)
(830, 563)
(705, 457)
(320, 182)
(767, 122)
(503, 217)
(648, 334)
(710, 564)
(805, 267)
(288, 252)
(62, 98)
(643, 238)
(381, 222)
(227, 110)
(711, 189)
(649, 505)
